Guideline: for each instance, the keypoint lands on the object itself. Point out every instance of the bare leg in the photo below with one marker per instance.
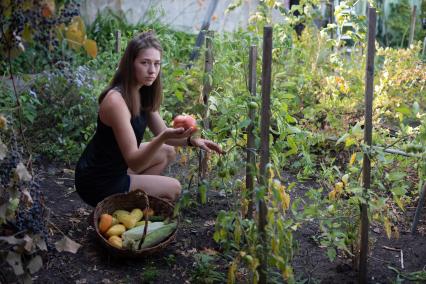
(150, 179)
(155, 185)
(162, 158)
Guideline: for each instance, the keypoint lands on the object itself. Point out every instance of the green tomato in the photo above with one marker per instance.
(253, 105)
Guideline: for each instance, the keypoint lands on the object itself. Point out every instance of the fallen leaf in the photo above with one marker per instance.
(68, 171)
(3, 150)
(68, 245)
(15, 261)
(26, 196)
(209, 223)
(40, 242)
(35, 264)
(12, 240)
(209, 251)
(22, 172)
(28, 243)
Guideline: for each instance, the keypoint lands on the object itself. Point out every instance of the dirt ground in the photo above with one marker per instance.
(178, 262)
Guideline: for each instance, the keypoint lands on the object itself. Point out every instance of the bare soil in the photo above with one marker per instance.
(177, 263)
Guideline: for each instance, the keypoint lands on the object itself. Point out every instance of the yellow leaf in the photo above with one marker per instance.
(74, 37)
(332, 195)
(338, 187)
(27, 5)
(231, 272)
(27, 34)
(75, 33)
(5, 3)
(286, 200)
(91, 47)
(287, 273)
(388, 228)
(352, 159)
(345, 179)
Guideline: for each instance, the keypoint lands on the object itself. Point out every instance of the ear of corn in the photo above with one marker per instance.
(154, 237)
(157, 236)
(136, 232)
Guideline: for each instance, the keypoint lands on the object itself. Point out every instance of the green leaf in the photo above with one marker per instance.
(202, 189)
(349, 142)
(396, 176)
(331, 253)
(343, 138)
(404, 110)
(244, 123)
(179, 95)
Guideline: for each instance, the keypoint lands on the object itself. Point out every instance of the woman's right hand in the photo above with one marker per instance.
(176, 133)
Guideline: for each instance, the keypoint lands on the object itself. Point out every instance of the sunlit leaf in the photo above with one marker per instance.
(404, 110)
(388, 228)
(91, 47)
(75, 33)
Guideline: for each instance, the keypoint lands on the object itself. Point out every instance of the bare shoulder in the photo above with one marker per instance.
(113, 107)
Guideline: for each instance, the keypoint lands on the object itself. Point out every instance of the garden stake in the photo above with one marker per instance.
(264, 147)
(366, 168)
(412, 26)
(250, 164)
(419, 209)
(208, 66)
(117, 41)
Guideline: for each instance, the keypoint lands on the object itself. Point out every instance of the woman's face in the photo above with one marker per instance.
(147, 66)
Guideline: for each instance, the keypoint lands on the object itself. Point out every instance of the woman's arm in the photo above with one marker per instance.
(157, 125)
(113, 112)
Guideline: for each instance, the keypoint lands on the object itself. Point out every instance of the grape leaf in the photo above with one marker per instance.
(66, 244)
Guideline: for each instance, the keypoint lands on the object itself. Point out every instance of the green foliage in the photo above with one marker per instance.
(205, 271)
(398, 24)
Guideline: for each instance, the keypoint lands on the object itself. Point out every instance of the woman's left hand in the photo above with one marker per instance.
(206, 145)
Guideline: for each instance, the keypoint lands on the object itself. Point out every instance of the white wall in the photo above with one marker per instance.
(182, 15)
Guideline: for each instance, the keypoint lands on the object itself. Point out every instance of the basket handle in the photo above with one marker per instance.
(145, 216)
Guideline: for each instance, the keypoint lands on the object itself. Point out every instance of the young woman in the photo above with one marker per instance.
(115, 160)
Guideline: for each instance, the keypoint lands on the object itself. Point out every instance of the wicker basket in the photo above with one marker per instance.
(128, 201)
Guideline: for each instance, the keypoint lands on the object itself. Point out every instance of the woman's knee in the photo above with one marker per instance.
(175, 190)
(170, 153)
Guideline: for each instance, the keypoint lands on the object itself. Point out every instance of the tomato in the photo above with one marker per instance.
(253, 105)
(185, 121)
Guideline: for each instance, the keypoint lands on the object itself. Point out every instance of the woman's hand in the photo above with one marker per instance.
(206, 145)
(176, 133)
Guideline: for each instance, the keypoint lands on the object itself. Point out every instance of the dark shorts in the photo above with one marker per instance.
(94, 189)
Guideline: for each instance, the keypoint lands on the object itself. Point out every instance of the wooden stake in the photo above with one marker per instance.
(419, 209)
(250, 165)
(117, 41)
(264, 147)
(412, 26)
(368, 129)
(208, 66)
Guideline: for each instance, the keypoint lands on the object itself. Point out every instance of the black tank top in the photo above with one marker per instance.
(102, 157)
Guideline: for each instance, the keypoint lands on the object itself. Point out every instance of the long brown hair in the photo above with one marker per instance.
(150, 97)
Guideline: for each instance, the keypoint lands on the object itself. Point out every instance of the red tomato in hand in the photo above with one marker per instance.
(185, 121)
